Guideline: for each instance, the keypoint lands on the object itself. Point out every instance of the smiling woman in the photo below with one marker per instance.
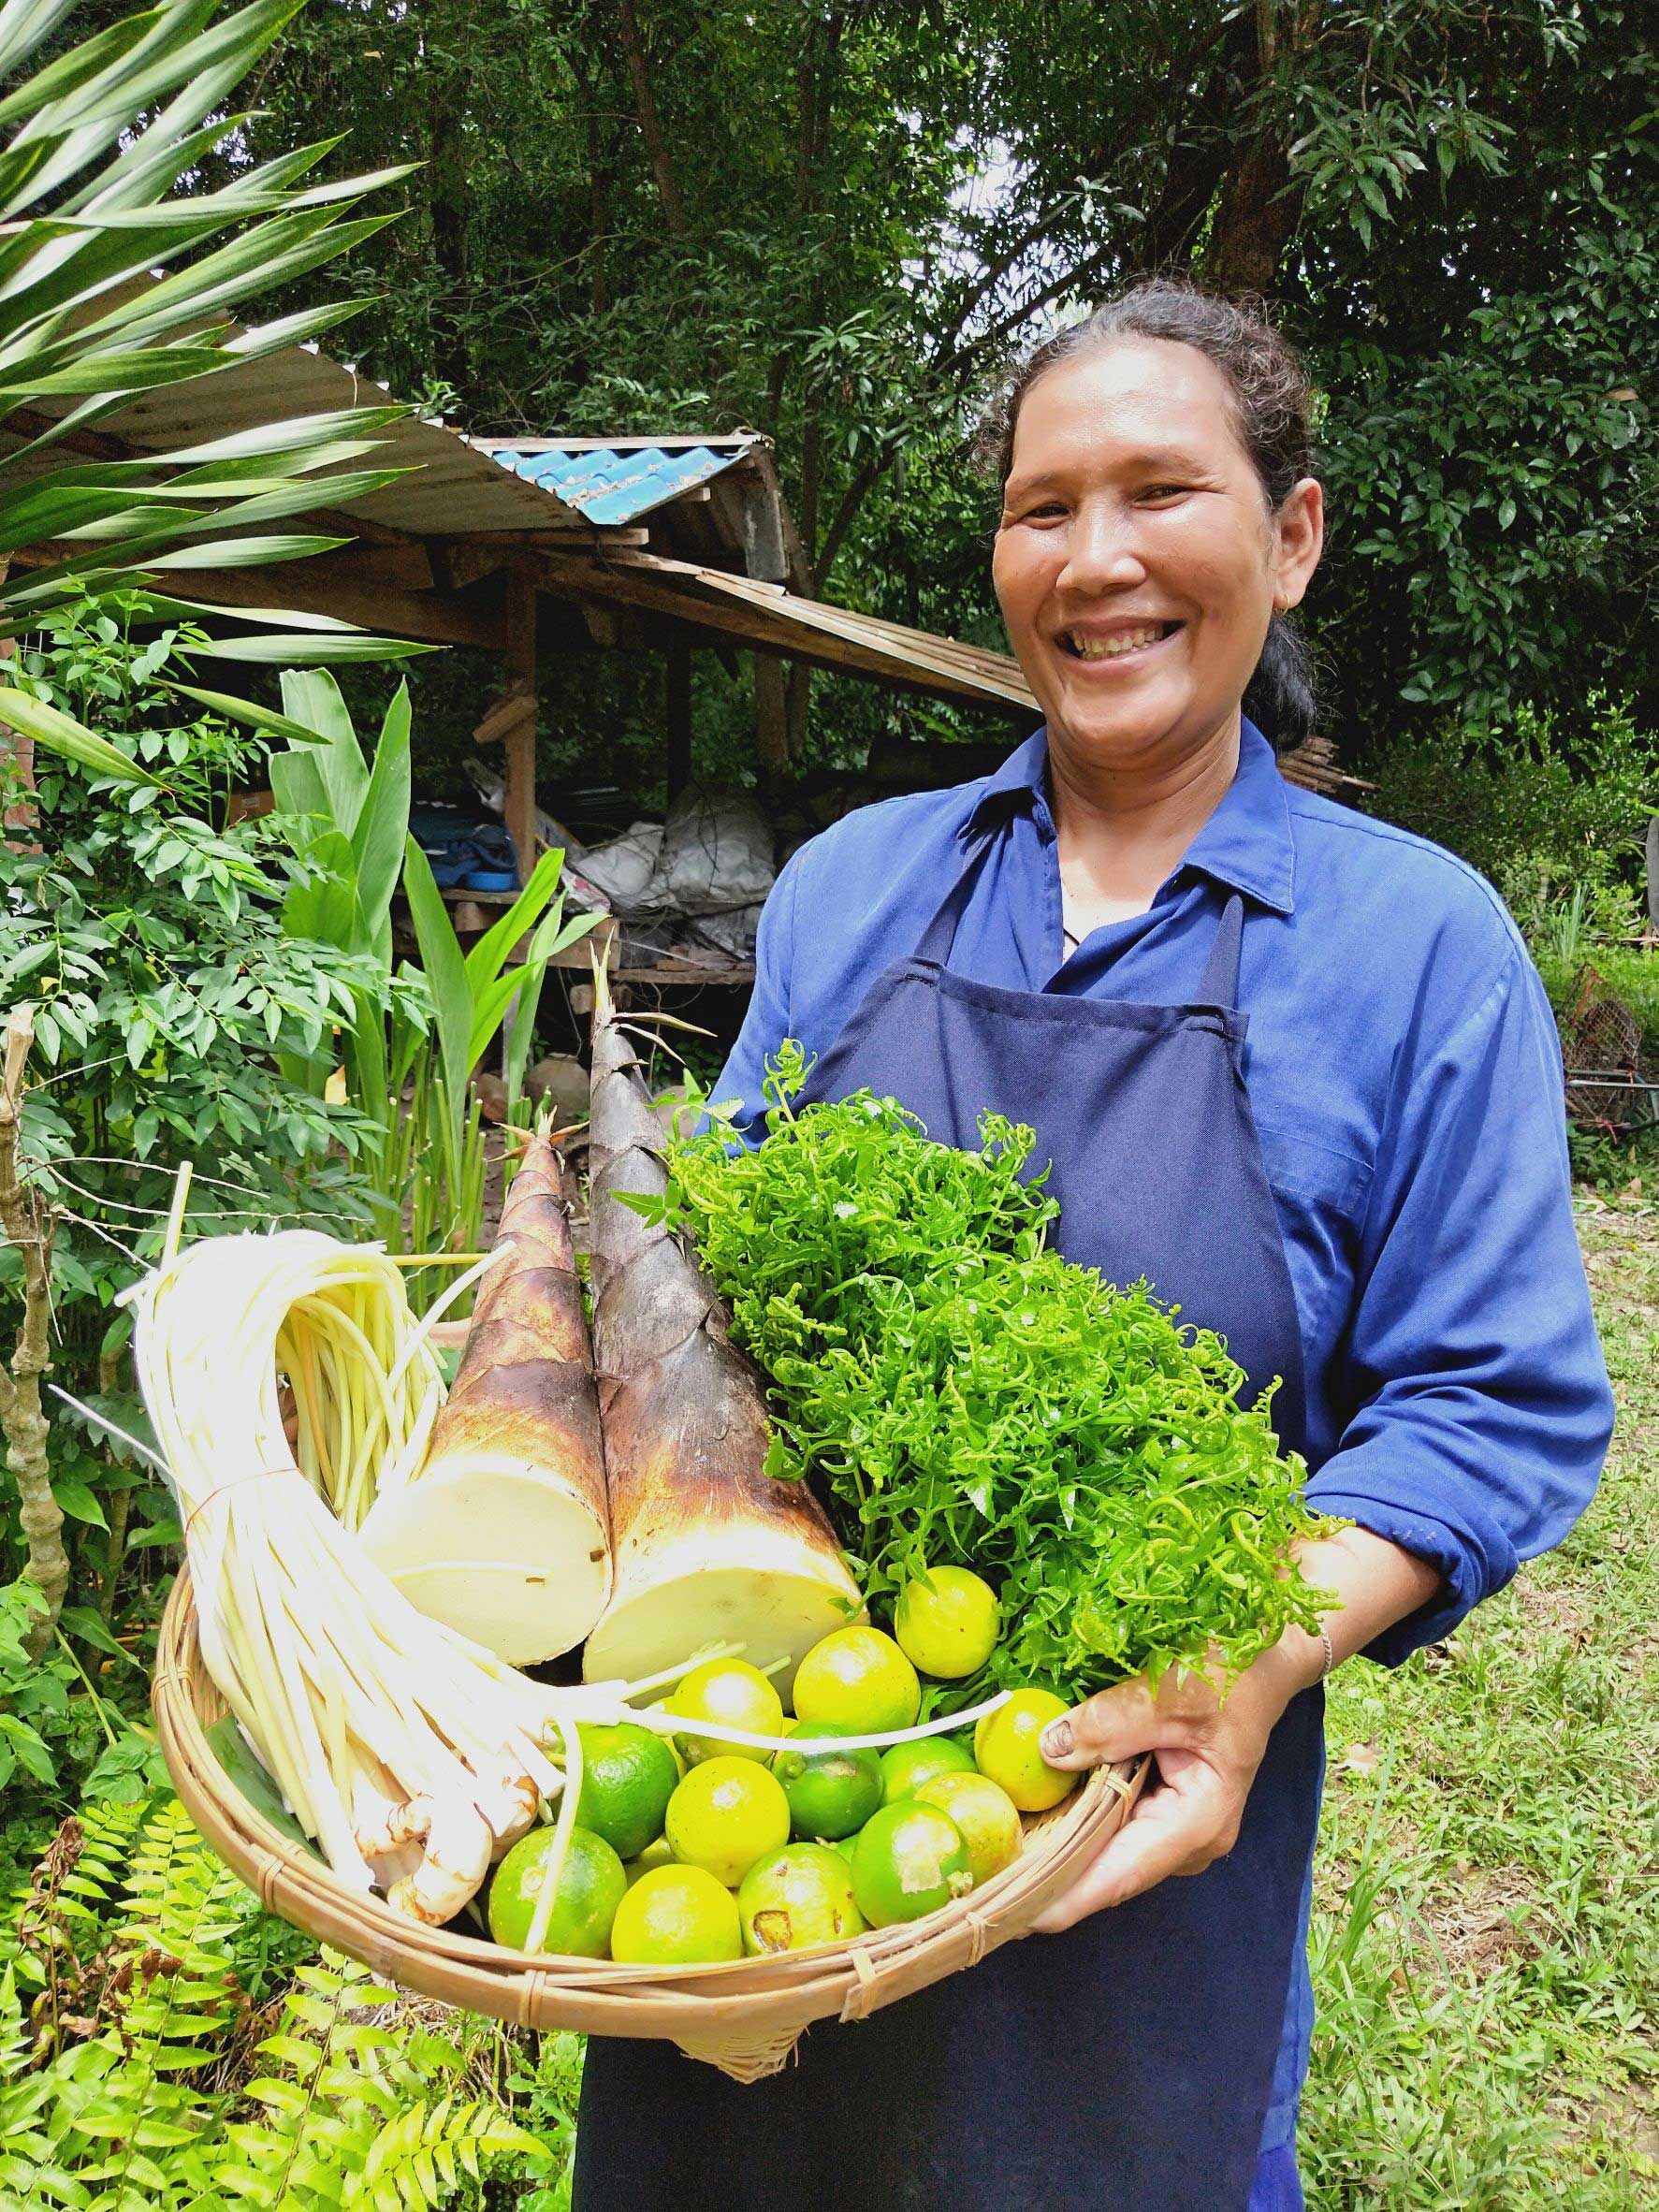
(1297, 1073)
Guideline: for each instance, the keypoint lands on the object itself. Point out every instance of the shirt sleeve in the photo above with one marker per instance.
(767, 1022)
(1483, 1404)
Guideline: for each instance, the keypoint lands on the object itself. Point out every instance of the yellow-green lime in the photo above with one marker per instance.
(628, 1777)
(676, 1917)
(725, 1814)
(654, 1855)
(735, 1694)
(1006, 1748)
(905, 1767)
(909, 1859)
(798, 1897)
(831, 1792)
(948, 1625)
(985, 1815)
(590, 1888)
(859, 1679)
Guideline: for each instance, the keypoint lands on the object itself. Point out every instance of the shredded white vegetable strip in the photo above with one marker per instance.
(347, 1692)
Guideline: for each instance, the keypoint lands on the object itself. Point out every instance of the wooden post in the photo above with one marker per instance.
(771, 713)
(679, 713)
(520, 796)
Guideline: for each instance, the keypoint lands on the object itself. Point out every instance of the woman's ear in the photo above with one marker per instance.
(1299, 539)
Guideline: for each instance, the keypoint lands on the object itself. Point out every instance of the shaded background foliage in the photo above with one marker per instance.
(833, 223)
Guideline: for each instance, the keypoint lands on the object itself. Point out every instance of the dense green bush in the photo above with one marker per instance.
(1538, 818)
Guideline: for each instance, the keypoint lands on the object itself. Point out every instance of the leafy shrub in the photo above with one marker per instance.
(148, 2064)
(1535, 818)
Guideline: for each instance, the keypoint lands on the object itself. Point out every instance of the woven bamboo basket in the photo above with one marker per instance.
(743, 2018)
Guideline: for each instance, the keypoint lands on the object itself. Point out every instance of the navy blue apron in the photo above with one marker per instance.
(1127, 2065)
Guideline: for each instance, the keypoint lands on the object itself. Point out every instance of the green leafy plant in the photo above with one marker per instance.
(137, 2075)
(168, 1000)
(966, 1395)
(413, 1034)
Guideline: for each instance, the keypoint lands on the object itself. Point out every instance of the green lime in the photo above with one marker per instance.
(985, 1815)
(1007, 1747)
(628, 1777)
(905, 1767)
(909, 1859)
(676, 1917)
(589, 1890)
(830, 1793)
(797, 1897)
(735, 1694)
(725, 1814)
(859, 1679)
(948, 1625)
(653, 1855)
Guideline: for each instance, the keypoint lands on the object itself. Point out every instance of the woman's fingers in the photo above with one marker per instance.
(1181, 1826)
(1117, 1723)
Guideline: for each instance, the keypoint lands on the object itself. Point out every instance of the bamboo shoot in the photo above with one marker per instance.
(502, 1532)
(709, 1547)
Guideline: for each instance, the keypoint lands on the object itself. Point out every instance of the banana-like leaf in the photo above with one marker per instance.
(452, 1001)
(484, 962)
(337, 752)
(382, 819)
(61, 733)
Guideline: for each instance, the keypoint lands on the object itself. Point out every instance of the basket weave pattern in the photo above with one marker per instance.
(743, 2018)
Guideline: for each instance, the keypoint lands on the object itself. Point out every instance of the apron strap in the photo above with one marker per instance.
(1219, 983)
(940, 934)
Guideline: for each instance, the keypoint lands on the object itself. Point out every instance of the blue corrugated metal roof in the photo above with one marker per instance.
(612, 483)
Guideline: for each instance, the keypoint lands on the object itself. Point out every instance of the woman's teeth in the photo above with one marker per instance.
(1111, 648)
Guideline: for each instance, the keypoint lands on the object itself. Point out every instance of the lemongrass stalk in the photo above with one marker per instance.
(553, 1872)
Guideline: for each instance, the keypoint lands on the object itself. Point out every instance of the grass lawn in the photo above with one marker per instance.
(1486, 1940)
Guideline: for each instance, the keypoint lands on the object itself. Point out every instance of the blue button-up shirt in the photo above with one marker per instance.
(1405, 1074)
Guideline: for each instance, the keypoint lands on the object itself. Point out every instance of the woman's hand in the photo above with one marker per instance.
(1208, 1751)
(1207, 1754)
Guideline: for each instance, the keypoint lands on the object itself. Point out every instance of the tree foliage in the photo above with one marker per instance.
(832, 223)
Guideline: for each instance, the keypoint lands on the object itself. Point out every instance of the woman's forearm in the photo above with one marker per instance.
(1375, 1584)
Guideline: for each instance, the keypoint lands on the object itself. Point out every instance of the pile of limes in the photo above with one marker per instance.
(711, 1850)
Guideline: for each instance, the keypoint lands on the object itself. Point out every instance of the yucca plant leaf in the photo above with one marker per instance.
(24, 24)
(247, 552)
(332, 651)
(117, 372)
(61, 733)
(72, 70)
(245, 710)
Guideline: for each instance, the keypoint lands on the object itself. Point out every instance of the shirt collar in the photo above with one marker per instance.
(1246, 843)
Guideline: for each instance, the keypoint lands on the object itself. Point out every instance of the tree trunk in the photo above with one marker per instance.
(650, 122)
(28, 1228)
(1254, 221)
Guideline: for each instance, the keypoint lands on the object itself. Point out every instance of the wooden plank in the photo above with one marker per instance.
(771, 714)
(678, 689)
(778, 626)
(519, 806)
(428, 617)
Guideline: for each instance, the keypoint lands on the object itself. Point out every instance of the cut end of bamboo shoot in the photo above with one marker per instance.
(498, 1552)
(774, 1609)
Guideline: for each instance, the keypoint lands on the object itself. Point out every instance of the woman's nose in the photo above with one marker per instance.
(1101, 553)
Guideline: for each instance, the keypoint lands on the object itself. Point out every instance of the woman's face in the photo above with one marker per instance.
(1137, 562)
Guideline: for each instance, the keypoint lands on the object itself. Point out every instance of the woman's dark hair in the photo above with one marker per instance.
(1271, 406)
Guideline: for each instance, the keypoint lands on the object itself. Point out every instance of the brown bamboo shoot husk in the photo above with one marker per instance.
(709, 1547)
(503, 1533)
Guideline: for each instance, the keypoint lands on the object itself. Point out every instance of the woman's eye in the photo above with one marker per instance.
(1165, 491)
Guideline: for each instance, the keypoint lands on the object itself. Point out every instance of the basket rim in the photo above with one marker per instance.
(272, 1866)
